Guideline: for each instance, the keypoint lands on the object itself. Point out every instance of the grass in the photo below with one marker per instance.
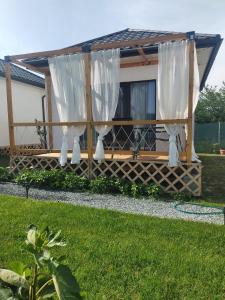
(122, 256)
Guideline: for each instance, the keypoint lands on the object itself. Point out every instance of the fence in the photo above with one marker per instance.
(209, 137)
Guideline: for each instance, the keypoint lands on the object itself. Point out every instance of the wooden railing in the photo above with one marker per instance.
(109, 146)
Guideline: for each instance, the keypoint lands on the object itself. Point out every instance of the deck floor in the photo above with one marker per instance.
(124, 157)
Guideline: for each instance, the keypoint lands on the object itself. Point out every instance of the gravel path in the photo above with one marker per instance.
(120, 203)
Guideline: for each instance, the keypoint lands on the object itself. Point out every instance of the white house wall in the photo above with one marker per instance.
(26, 108)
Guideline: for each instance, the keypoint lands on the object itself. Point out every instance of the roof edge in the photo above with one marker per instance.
(211, 61)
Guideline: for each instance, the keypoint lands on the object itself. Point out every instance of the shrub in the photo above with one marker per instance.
(59, 179)
(104, 185)
(75, 183)
(181, 197)
(55, 179)
(4, 175)
(41, 178)
(153, 190)
(137, 190)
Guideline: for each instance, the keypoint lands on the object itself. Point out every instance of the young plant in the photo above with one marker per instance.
(154, 190)
(182, 197)
(4, 175)
(46, 277)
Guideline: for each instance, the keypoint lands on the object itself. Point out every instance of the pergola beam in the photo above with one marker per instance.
(109, 123)
(102, 46)
(10, 107)
(48, 87)
(143, 55)
(130, 64)
(139, 63)
(190, 101)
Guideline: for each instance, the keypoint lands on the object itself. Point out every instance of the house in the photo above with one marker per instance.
(140, 126)
(28, 90)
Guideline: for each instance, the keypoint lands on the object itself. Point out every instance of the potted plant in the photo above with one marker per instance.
(222, 151)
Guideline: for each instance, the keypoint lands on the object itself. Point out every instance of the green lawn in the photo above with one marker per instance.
(122, 256)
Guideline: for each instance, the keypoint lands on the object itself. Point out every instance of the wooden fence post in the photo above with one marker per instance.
(48, 87)
(87, 59)
(190, 101)
(10, 107)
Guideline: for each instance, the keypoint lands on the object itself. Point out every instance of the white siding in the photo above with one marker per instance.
(26, 108)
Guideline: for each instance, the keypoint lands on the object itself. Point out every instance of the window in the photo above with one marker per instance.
(137, 100)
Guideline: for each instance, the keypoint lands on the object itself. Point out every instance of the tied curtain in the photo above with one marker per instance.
(196, 89)
(173, 83)
(105, 92)
(68, 80)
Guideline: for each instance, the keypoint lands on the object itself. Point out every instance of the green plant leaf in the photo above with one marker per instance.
(65, 283)
(13, 278)
(31, 236)
(56, 241)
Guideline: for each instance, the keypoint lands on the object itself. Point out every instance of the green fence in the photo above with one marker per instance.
(209, 137)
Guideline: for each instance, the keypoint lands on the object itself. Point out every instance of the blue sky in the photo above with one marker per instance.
(38, 25)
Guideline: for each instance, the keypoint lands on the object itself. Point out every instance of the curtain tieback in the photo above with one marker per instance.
(64, 150)
(101, 138)
(173, 151)
(99, 151)
(172, 139)
(76, 139)
(76, 150)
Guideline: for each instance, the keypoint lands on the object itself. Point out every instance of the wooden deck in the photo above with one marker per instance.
(123, 157)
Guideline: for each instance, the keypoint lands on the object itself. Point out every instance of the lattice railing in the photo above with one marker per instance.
(134, 137)
(6, 150)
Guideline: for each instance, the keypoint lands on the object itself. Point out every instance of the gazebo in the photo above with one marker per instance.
(83, 85)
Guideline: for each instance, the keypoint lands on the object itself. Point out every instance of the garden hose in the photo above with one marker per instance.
(221, 210)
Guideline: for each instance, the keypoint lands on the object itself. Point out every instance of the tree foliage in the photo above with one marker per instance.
(211, 105)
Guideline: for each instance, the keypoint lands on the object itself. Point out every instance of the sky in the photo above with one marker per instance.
(39, 25)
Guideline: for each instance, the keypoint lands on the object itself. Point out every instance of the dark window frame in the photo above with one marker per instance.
(137, 81)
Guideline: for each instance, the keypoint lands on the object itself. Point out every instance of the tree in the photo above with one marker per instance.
(211, 105)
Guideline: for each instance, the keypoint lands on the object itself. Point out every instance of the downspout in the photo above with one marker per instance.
(43, 118)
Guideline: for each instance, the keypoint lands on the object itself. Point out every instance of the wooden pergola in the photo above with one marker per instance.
(138, 44)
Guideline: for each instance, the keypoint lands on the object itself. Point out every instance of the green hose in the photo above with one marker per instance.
(219, 212)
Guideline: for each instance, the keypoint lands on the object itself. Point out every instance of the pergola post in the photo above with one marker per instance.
(87, 60)
(190, 101)
(48, 87)
(10, 107)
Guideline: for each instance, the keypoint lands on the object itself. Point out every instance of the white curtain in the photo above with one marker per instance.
(173, 79)
(196, 89)
(68, 79)
(105, 92)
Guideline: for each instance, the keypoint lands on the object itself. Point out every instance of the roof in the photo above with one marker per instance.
(135, 34)
(202, 41)
(22, 75)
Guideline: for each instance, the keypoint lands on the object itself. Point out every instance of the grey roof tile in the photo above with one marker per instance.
(128, 34)
(22, 75)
